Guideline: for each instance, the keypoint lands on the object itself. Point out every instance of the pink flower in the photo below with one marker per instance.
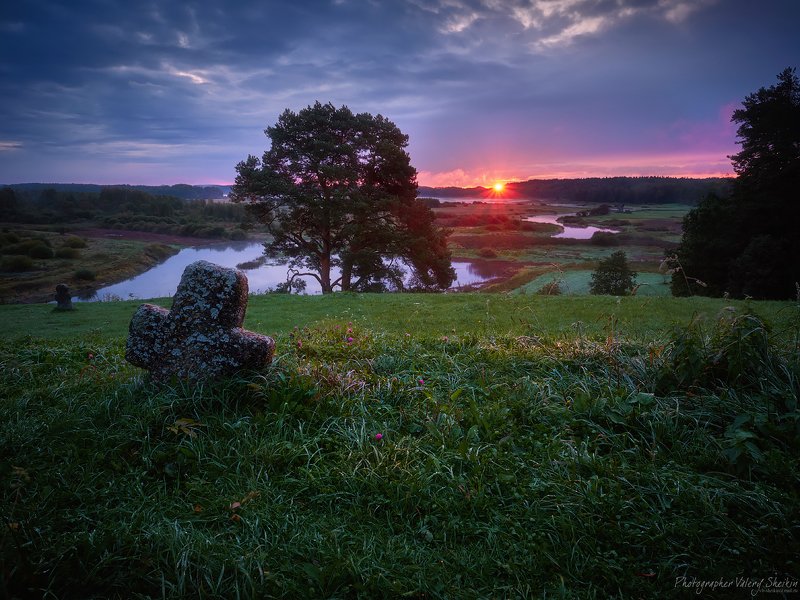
(379, 436)
(349, 340)
(299, 344)
(421, 381)
(444, 339)
(349, 330)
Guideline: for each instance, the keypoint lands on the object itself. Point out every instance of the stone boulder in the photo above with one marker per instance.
(201, 337)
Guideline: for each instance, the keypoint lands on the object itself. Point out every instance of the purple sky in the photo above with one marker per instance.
(158, 92)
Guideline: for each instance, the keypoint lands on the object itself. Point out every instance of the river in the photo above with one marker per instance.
(570, 231)
(162, 280)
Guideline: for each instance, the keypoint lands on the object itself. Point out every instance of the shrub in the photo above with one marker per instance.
(85, 274)
(73, 241)
(25, 246)
(40, 251)
(487, 253)
(550, 289)
(17, 263)
(69, 253)
(7, 238)
(238, 235)
(604, 238)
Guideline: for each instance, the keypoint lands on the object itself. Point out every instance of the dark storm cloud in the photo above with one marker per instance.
(166, 91)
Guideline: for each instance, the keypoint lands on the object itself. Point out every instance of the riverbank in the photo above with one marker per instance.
(504, 249)
(109, 256)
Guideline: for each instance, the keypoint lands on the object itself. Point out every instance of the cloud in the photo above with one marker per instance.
(482, 87)
(551, 23)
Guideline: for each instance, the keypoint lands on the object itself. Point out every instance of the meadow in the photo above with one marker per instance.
(87, 255)
(498, 232)
(437, 446)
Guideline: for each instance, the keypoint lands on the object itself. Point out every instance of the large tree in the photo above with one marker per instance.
(339, 196)
(748, 244)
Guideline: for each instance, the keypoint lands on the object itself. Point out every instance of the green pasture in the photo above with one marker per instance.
(576, 283)
(419, 315)
(420, 446)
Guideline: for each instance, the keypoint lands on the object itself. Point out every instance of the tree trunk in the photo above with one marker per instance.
(325, 274)
(347, 275)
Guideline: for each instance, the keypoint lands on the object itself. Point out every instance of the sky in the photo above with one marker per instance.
(163, 91)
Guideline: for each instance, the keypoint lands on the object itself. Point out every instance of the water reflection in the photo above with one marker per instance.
(484, 270)
(162, 280)
(570, 231)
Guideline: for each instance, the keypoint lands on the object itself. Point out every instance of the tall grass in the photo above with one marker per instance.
(507, 465)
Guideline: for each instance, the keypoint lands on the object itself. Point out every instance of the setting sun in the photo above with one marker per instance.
(498, 187)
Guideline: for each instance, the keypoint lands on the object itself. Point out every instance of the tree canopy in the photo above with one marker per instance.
(339, 196)
(613, 276)
(747, 244)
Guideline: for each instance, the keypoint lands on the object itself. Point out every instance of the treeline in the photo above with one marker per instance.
(180, 190)
(601, 190)
(125, 208)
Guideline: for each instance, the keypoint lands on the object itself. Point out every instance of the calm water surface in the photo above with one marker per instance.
(570, 231)
(162, 280)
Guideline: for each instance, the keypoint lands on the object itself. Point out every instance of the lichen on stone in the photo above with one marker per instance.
(201, 337)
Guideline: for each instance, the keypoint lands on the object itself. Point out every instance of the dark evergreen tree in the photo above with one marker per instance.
(613, 276)
(337, 189)
(748, 244)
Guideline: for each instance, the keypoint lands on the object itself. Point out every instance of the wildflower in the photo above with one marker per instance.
(421, 381)
(91, 356)
(445, 338)
(349, 330)
(378, 437)
(349, 340)
(299, 343)
(408, 335)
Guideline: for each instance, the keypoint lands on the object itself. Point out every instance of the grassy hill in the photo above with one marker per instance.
(455, 446)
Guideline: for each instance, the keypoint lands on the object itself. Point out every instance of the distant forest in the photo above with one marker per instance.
(180, 190)
(123, 208)
(602, 190)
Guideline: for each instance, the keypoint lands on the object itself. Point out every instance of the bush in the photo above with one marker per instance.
(238, 235)
(40, 251)
(604, 238)
(550, 289)
(17, 263)
(73, 241)
(85, 274)
(487, 253)
(7, 238)
(69, 253)
(25, 246)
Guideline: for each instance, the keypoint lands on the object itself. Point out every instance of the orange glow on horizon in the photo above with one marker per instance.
(500, 188)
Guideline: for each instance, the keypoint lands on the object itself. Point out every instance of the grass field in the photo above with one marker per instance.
(458, 446)
(576, 283)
